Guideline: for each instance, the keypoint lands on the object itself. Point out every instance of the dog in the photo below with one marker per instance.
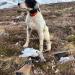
(35, 21)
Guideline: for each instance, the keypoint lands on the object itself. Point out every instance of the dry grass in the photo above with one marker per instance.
(60, 19)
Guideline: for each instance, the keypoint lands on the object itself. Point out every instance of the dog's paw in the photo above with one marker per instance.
(25, 45)
(49, 47)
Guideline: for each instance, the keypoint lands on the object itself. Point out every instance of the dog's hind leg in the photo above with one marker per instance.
(47, 38)
(27, 38)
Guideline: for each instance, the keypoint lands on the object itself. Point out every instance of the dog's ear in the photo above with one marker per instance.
(22, 5)
(37, 6)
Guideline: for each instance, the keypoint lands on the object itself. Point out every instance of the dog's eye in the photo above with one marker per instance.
(18, 4)
(36, 51)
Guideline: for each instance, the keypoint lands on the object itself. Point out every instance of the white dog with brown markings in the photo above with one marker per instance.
(35, 21)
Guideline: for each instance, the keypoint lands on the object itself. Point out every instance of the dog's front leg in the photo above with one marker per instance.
(27, 38)
(41, 39)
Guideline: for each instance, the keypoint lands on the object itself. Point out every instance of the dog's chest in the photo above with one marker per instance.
(36, 21)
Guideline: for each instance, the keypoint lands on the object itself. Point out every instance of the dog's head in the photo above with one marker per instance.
(28, 4)
(31, 5)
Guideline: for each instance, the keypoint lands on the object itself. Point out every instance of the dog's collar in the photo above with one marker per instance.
(33, 12)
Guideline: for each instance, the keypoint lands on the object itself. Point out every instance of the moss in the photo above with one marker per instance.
(71, 38)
